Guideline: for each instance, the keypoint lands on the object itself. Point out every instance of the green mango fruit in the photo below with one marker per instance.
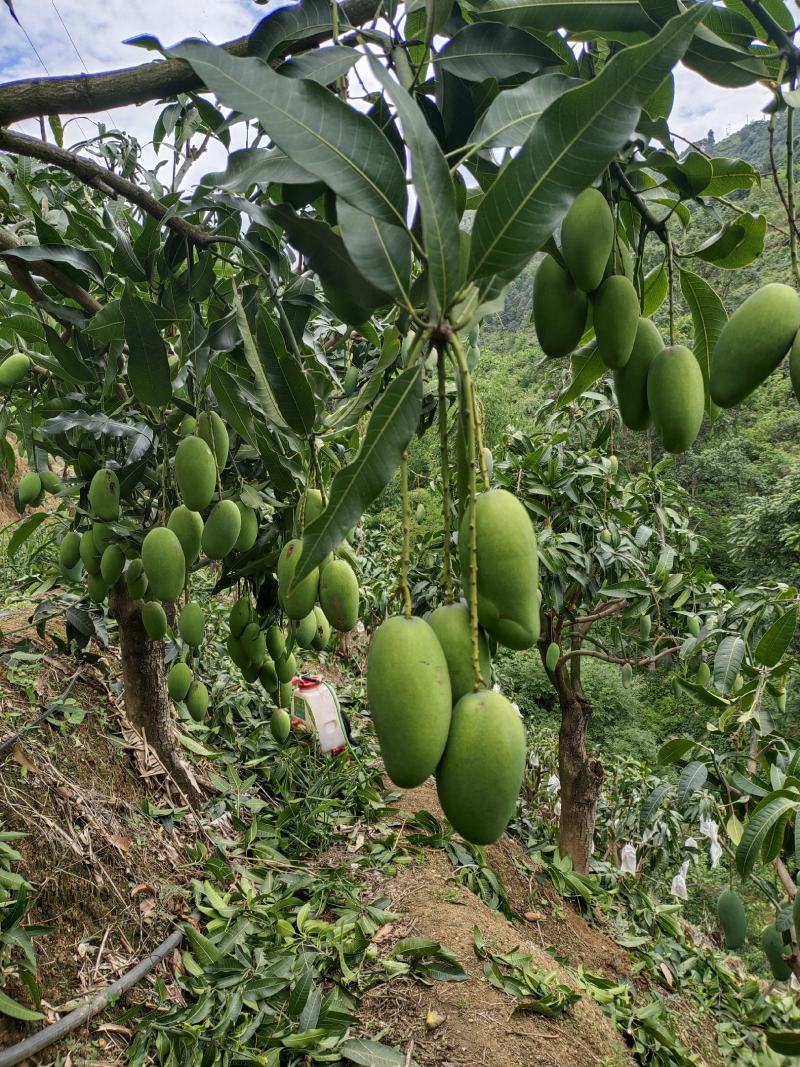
(69, 551)
(350, 380)
(450, 623)
(221, 530)
(195, 473)
(112, 564)
(280, 725)
(187, 525)
(794, 365)
(616, 320)
(322, 631)
(732, 918)
(13, 369)
(276, 642)
(90, 557)
(248, 532)
(236, 651)
(104, 495)
(197, 701)
(164, 563)
(305, 630)
(285, 694)
(254, 643)
(242, 613)
(408, 690)
(154, 620)
(286, 668)
(251, 671)
(552, 656)
(212, 430)
(645, 626)
(51, 483)
(179, 678)
(772, 944)
(97, 588)
(508, 571)
(268, 676)
(693, 625)
(29, 489)
(136, 579)
(192, 624)
(480, 774)
(188, 426)
(753, 342)
(103, 536)
(587, 238)
(630, 380)
(627, 675)
(676, 397)
(703, 674)
(338, 595)
(559, 309)
(309, 507)
(299, 601)
(620, 260)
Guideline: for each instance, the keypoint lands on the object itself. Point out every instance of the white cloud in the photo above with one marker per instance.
(701, 106)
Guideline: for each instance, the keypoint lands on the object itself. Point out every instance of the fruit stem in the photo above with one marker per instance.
(670, 294)
(447, 574)
(406, 536)
(467, 399)
(790, 188)
(479, 440)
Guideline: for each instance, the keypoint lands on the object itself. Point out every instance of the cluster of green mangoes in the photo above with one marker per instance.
(591, 287)
(774, 943)
(428, 716)
(32, 486)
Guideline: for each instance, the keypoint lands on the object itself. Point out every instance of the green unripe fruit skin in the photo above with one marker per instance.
(212, 430)
(772, 944)
(645, 626)
(187, 526)
(620, 260)
(480, 774)
(136, 579)
(248, 531)
(251, 671)
(179, 678)
(408, 689)
(313, 508)
(753, 342)
(97, 588)
(286, 668)
(280, 725)
(627, 675)
(508, 570)
(285, 694)
(338, 595)
(350, 380)
(188, 426)
(164, 563)
(794, 366)
(195, 473)
(450, 623)
(112, 564)
(69, 551)
(268, 676)
(241, 616)
(29, 489)
(732, 918)
(630, 380)
(676, 397)
(197, 701)
(90, 557)
(221, 530)
(13, 369)
(587, 238)
(302, 598)
(703, 675)
(613, 466)
(237, 652)
(305, 630)
(51, 483)
(154, 620)
(322, 631)
(559, 309)
(616, 319)
(103, 536)
(192, 624)
(104, 495)
(553, 653)
(254, 644)
(693, 625)
(276, 642)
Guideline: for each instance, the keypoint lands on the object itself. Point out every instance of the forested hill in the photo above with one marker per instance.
(750, 143)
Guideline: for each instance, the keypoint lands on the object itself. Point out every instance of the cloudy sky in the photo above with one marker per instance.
(74, 35)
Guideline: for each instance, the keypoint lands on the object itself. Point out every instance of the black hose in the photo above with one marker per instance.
(31, 1045)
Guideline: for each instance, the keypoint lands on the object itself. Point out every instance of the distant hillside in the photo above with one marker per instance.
(751, 143)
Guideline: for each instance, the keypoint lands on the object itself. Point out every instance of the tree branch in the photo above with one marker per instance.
(22, 276)
(611, 607)
(646, 661)
(83, 94)
(658, 226)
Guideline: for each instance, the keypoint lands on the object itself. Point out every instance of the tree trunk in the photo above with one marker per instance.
(581, 776)
(147, 703)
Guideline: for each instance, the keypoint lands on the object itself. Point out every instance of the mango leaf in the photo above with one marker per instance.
(652, 804)
(656, 286)
(675, 749)
(291, 23)
(434, 188)
(784, 1042)
(765, 814)
(232, 405)
(381, 252)
(290, 387)
(737, 244)
(61, 254)
(148, 367)
(25, 528)
(575, 15)
(692, 777)
(373, 1054)
(708, 318)
(256, 166)
(337, 144)
(492, 50)
(702, 695)
(322, 65)
(251, 354)
(437, 13)
(730, 174)
(727, 661)
(587, 368)
(391, 426)
(575, 139)
(776, 640)
(512, 114)
(16, 1010)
